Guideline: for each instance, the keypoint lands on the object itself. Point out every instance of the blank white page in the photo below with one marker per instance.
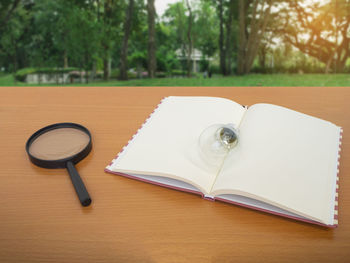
(167, 145)
(284, 158)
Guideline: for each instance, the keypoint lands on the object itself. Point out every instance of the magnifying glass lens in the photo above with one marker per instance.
(59, 144)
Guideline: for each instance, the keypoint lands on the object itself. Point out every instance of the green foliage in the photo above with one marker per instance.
(204, 64)
(176, 21)
(175, 26)
(4, 7)
(161, 75)
(10, 36)
(215, 69)
(138, 59)
(178, 72)
(115, 74)
(166, 59)
(83, 39)
(22, 73)
(207, 19)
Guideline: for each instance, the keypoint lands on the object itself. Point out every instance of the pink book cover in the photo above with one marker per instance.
(225, 200)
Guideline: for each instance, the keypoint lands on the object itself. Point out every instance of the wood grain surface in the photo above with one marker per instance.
(41, 219)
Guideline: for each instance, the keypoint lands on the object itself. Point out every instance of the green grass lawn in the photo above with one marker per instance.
(265, 80)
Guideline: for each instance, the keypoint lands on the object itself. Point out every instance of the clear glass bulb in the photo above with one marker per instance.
(216, 141)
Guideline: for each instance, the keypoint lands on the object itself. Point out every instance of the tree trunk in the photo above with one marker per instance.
(94, 63)
(189, 38)
(94, 70)
(259, 31)
(152, 62)
(86, 62)
(181, 29)
(105, 69)
(242, 38)
(14, 63)
(106, 47)
(124, 51)
(249, 44)
(228, 39)
(65, 59)
(262, 56)
(221, 39)
(81, 72)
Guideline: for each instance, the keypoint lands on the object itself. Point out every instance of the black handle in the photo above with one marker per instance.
(79, 186)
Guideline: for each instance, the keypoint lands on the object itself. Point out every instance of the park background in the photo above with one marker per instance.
(175, 43)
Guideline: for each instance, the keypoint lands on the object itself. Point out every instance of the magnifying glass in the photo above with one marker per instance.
(62, 145)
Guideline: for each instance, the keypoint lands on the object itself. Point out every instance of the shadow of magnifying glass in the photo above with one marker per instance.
(62, 145)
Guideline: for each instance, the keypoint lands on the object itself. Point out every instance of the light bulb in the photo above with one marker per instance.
(216, 141)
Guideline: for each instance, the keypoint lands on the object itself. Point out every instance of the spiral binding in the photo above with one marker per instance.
(335, 222)
(135, 135)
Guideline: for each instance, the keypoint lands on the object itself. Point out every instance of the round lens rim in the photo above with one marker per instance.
(59, 163)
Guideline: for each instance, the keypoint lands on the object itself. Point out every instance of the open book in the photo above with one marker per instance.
(285, 162)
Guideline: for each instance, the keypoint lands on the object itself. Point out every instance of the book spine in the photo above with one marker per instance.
(135, 135)
(337, 182)
(208, 197)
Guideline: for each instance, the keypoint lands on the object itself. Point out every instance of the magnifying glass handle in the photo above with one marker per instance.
(79, 186)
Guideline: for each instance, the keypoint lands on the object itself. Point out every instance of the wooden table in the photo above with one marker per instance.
(41, 219)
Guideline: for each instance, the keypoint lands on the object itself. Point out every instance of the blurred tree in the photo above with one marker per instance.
(228, 47)
(7, 8)
(152, 62)
(82, 39)
(227, 13)
(166, 53)
(221, 37)
(124, 51)
(49, 36)
(253, 18)
(96, 35)
(108, 16)
(320, 30)
(108, 32)
(175, 19)
(12, 32)
(192, 30)
(207, 19)
(138, 42)
(189, 39)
